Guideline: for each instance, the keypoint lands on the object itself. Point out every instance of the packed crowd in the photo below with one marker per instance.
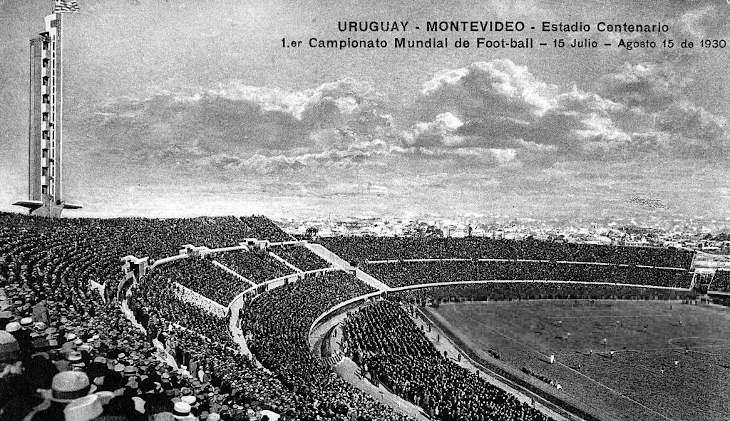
(279, 323)
(65, 339)
(201, 341)
(155, 301)
(255, 266)
(721, 281)
(362, 249)
(366, 333)
(262, 228)
(301, 257)
(102, 242)
(411, 273)
(534, 290)
(60, 341)
(158, 238)
(42, 265)
(202, 276)
(392, 350)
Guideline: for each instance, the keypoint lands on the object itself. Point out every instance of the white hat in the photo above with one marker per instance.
(105, 396)
(181, 411)
(273, 416)
(70, 385)
(83, 409)
(139, 404)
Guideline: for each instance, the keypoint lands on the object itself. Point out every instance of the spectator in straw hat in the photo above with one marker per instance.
(26, 322)
(22, 335)
(9, 349)
(12, 327)
(17, 394)
(66, 387)
(181, 412)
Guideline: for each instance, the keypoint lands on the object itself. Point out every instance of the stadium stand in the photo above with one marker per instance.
(200, 275)
(165, 351)
(300, 257)
(721, 281)
(279, 322)
(384, 339)
(423, 272)
(45, 268)
(200, 340)
(154, 302)
(262, 228)
(257, 267)
(531, 290)
(363, 249)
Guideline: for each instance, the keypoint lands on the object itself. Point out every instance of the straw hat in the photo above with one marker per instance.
(70, 385)
(105, 396)
(83, 409)
(73, 356)
(181, 411)
(9, 347)
(188, 399)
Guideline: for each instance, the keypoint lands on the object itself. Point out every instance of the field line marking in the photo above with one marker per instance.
(569, 368)
(616, 392)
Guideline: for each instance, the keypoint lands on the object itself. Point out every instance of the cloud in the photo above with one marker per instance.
(653, 91)
(470, 156)
(440, 131)
(333, 158)
(487, 114)
(650, 86)
(499, 105)
(345, 97)
(497, 87)
(703, 22)
(694, 130)
(233, 122)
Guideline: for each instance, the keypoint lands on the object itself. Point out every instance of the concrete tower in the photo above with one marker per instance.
(45, 124)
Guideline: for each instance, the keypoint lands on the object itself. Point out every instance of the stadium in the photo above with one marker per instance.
(235, 318)
(233, 314)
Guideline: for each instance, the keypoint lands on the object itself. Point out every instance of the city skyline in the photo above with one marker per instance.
(174, 110)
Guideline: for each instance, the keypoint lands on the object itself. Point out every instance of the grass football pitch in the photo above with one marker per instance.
(670, 361)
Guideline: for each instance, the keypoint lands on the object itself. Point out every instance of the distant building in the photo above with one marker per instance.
(45, 123)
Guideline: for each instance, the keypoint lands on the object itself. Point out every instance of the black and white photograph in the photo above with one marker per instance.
(281, 210)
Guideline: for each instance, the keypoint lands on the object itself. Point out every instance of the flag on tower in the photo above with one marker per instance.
(66, 6)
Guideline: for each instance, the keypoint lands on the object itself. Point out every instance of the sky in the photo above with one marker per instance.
(175, 108)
